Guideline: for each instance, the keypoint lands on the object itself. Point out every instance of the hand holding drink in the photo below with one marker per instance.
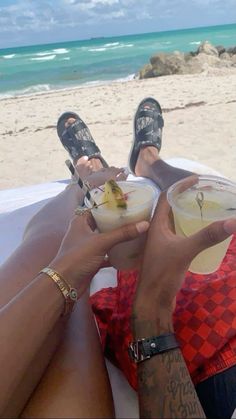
(119, 204)
(198, 202)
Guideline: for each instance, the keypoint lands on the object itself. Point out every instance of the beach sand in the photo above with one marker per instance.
(199, 113)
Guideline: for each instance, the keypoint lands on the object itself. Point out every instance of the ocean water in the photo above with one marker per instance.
(40, 68)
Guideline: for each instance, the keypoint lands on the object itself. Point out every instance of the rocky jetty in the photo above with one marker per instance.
(207, 56)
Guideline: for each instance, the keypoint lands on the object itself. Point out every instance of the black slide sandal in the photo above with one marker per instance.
(77, 139)
(148, 124)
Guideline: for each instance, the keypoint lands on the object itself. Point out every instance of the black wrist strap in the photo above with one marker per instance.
(159, 344)
(145, 348)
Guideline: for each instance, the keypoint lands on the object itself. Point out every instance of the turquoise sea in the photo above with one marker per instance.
(40, 68)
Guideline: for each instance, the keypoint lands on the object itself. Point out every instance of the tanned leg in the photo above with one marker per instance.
(42, 239)
(150, 165)
(41, 242)
(75, 384)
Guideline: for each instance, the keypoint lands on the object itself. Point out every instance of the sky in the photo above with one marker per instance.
(28, 22)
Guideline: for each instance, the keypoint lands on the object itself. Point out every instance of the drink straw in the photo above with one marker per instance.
(81, 183)
(71, 168)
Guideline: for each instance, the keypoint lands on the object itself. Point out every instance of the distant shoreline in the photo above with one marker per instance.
(7, 96)
(69, 65)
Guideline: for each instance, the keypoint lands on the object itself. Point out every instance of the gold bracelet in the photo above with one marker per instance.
(70, 294)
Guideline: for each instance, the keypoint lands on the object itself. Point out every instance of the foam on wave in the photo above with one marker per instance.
(112, 44)
(97, 49)
(57, 51)
(37, 89)
(115, 45)
(61, 51)
(9, 56)
(46, 58)
(44, 88)
(43, 54)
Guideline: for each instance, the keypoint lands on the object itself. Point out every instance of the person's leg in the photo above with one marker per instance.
(144, 159)
(76, 383)
(150, 165)
(77, 369)
(41, 242)
(44, 232)
(42, 239)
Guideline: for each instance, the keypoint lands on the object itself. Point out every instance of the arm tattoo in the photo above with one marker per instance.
(164, 385)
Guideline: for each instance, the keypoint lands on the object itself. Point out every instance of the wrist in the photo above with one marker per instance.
(70, 294)
(66, 270)
(151, 322)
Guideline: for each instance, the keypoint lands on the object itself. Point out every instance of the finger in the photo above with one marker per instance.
(211, 235)
(230, 226)
(91, 221)
(83, 223)
(162, 209)
(124, 233)
(116, 169)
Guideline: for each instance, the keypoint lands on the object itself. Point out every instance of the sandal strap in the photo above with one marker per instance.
(78, 130)
(148, 126)
(147, 112)
(84, 148)
(78, 141)
(151, 134)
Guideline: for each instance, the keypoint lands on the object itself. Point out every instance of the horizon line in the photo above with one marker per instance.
(116, 36)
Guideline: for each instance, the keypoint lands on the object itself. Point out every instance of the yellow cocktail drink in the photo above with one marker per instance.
(209, 199)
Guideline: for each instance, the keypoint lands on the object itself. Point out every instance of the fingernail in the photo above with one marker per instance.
(230, 226)
(85, 158)
(142, 226)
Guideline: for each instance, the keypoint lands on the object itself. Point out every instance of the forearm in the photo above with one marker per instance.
(41, 243)
(25, 322)
(164, 385)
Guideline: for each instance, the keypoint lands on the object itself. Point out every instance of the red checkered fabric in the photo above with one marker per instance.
(204, 320)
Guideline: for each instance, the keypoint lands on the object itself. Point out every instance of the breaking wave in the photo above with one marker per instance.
(45, 58)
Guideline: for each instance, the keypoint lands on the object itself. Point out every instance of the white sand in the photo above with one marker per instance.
(199, 113)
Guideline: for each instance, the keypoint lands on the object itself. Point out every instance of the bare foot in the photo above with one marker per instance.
(95, 177)
(146, 158)
(150, 165)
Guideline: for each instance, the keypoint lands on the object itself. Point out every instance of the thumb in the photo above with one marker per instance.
(211, 235)
(124, 233)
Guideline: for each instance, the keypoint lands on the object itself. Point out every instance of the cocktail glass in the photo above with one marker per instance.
(140, 202)
(197, 202)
